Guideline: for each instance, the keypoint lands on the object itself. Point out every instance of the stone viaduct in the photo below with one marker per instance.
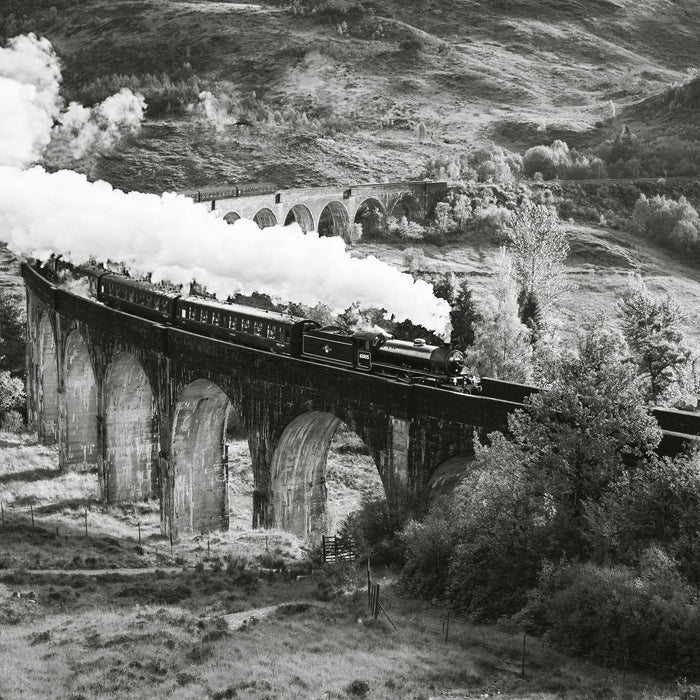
(331, 211)
(148, 405)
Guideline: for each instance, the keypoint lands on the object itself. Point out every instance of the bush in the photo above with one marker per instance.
(376, 527)
(428, 549)
(675, 224)
(557, 161)
(12, 398)
(616, 611)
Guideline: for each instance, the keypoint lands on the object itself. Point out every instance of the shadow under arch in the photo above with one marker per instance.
(48, 382)
(232, 217)
(198, 459)
(80, 390)
(265, 217)
(372, 216)
(334, 220)
(298, 474)
(301, 215)
(130, 443)
(407, 205)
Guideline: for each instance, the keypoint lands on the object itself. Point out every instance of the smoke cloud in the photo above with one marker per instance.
(169, 236)
(84, 130)
(216, 111)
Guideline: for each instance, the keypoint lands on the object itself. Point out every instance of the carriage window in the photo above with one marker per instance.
(184, 313)
(272, 331)
(216, 317)
(258, 328)
(231, 321)
(245, 325)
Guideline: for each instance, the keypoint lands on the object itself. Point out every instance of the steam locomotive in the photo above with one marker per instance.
(374, 352)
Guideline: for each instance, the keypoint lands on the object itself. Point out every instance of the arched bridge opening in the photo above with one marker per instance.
(265, 217)
(130, 444)
(48, 383)
(302, 216)
(198, 460)
(334, 221)
(299, 476)
(80, 390)
(371, 215)
(407, 206)
(232, 217)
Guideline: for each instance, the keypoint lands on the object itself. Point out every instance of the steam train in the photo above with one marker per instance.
(370, 352)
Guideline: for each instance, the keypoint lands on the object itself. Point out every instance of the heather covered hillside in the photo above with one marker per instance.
(312, 92)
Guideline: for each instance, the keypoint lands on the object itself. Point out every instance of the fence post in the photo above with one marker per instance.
(31, 510)
(369, 581)
(85, 515)
(2, 511)
(139, 533)
(522, 671)
(323, 548)
(447, 625)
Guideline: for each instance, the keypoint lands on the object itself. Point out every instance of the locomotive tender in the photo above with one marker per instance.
(374, 351)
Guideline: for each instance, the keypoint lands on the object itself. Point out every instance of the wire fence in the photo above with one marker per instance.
(526, 651)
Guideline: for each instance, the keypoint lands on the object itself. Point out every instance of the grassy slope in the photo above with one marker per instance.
(167, 634)
(518, 72)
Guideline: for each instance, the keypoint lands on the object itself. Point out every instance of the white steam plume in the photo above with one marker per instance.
(171, 236)
(29, 100)
(84, 130)
(216, 111)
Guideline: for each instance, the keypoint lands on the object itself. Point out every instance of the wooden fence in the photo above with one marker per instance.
(337, 549)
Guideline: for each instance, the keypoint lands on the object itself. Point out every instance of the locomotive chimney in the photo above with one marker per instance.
(419, 342)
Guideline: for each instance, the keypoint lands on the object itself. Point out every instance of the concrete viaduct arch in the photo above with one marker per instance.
(81, 443)
(47, 399)
(130, 445)
(332, 210)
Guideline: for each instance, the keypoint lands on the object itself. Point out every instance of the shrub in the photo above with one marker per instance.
(557, 161)
(12, 398)
(428, 549)
(648, 614)
(675, 224)
(405, 229)
(376, 527)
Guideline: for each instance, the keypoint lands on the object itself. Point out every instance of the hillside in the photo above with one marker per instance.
(513, 72)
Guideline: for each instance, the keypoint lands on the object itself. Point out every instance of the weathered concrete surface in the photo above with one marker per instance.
(47, 382)
(130, 444)
(299, 473)
(199, 473)
(80, 445)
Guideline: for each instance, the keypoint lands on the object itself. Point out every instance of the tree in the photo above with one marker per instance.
(463, 317)
(538, 246)
(653, 328)
(528, 498)
(501, 345)
(12, 333)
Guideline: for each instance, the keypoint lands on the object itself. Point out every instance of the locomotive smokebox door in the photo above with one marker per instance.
(363, 355)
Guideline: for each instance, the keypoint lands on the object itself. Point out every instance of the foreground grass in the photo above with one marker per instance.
(306, 649)
(169, 630)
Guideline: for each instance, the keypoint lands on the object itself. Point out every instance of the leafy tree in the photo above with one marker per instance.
(653, 328)
(12, 333)
(464, 317)
(538, 246)
(501, 345)
(657, 505)
(444, 287)
(529, 497)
